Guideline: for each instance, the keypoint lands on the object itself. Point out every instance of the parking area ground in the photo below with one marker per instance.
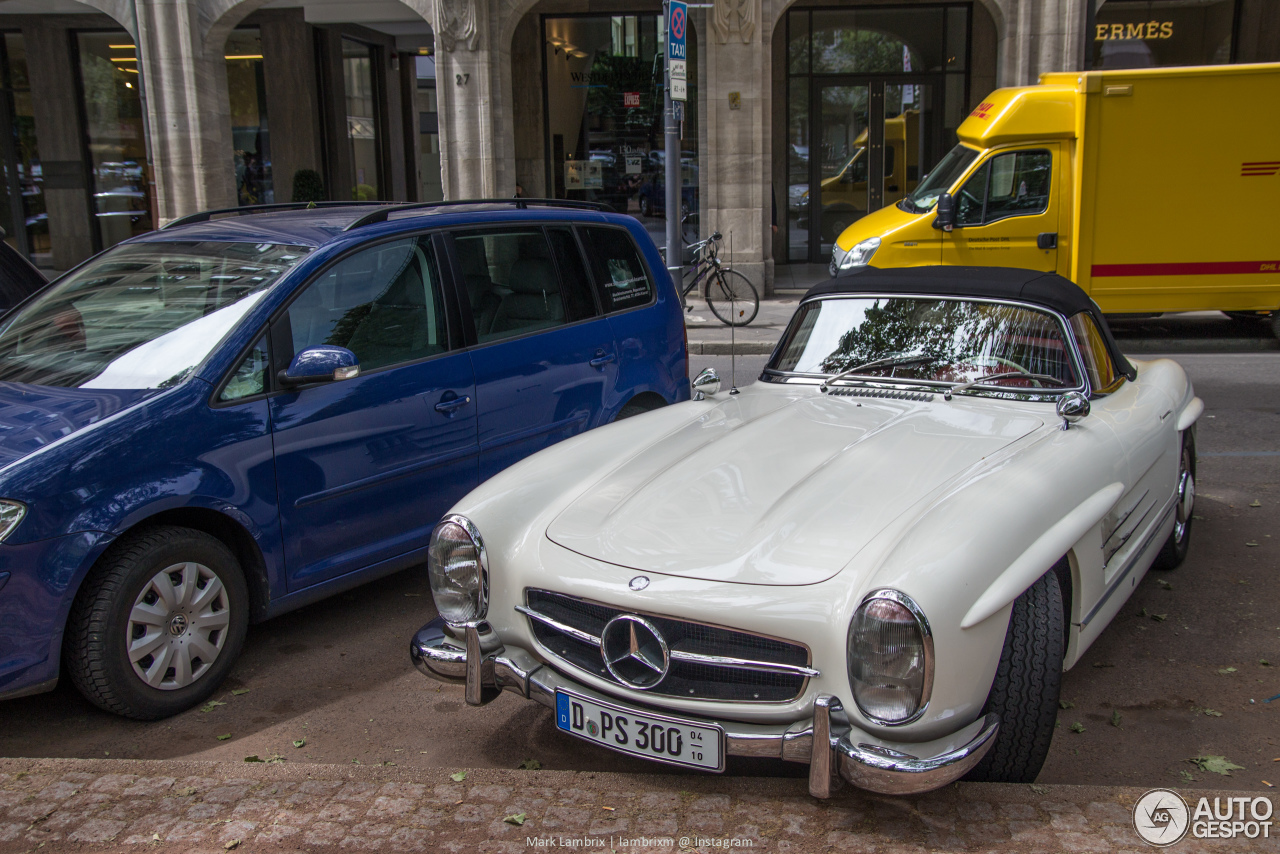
(1184, 674)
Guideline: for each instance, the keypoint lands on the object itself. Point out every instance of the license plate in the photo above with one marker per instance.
(643, 734)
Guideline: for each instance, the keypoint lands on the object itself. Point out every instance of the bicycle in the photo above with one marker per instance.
(729, 294)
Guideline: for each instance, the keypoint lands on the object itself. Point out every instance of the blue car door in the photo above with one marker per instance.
(366, 466)
(545, 361)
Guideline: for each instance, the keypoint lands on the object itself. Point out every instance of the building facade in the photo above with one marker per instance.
(119, 115)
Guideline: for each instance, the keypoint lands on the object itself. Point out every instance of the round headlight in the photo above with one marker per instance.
(458, 567)
(890, 658)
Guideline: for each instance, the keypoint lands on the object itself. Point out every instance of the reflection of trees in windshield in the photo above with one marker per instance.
(962, 339)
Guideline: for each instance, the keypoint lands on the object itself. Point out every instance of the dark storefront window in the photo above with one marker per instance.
(362, 117)
(604, 104)
(1150, 33)
(432, 190)
(113, 129)
(874, 98)
(24, 218)
(250, 134)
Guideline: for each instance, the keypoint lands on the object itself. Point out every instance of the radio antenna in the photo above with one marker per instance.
(733, 344)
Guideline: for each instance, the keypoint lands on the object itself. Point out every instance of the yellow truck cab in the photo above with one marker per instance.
(844, 194)
(1153, 189)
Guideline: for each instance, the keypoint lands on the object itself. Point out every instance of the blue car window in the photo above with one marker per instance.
(249, 377)
(579, 304)
(382, 303)
(511, 282)
(621, 277)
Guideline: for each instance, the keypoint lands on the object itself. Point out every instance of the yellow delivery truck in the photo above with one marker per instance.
(1155, 190)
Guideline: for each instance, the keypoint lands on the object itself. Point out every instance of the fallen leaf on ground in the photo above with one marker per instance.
(1066, 704)
(1212, 714)
(211, 705)
(239, 691)
(1250, 544)
(276, 759)
(1115, 717)
(1255, 503)
(187, 792)
(1166, 585)
(1187, 776)
(1077, 727)
(1264, 662)
(1142, 613)
(1159, 618)
(517, 819)
(224, 737)
(458, 777)
(1039, 790)
(253, 758)
(1216, 764)
(530, 765)
(1225, 670)
(301, 742)
(235, 843)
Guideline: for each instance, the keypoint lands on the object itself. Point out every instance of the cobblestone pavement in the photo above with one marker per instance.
(124, 805)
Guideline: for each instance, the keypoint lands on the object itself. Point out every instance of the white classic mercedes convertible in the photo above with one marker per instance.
(878, 559)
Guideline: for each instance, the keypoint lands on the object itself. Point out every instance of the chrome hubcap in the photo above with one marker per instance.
(1186, 497)
(177, 626)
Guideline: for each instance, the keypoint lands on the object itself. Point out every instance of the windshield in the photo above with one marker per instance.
(942, 341)
(940, 179)
(139, 316)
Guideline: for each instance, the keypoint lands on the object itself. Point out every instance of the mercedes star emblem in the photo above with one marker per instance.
(640, 582)
(634, 651)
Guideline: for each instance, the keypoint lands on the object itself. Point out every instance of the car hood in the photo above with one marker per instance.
(768, 488)
(32, 417)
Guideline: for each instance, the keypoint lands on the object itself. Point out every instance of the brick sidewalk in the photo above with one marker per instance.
(124, 805)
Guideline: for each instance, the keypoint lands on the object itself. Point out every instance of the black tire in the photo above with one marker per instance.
(1275, 323)
(1174, 551)
(633, 409)
(732, 298)
(95, 649)
(1025, 691)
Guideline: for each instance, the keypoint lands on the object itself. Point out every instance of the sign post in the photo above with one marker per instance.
(676, 14)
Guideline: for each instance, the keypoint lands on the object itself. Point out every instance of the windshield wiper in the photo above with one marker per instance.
(1007, 375)
(897, 360)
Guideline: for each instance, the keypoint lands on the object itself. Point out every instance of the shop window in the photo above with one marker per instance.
(117, 154)
(1150, 33)
(427, 105)
(25, 218)
(360, 88)
(246, 87)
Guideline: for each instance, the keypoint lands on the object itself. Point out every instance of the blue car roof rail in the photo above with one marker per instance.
(205, 216)
(383, 213)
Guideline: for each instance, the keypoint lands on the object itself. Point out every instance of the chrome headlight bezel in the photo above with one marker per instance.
(925, 639)
(860, 254)
(11, 515)
(479, 594)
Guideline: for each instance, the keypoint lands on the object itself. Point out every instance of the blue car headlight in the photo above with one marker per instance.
(11, 514)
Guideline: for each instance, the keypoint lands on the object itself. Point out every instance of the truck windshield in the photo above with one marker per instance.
(140, 315)
(937, 182)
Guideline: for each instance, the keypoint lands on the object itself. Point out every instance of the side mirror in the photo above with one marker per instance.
(946, 218)
(706, 383)
(1072, 406)
(320, 364)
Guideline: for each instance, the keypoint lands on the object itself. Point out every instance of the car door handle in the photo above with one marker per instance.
(448, 406)
(1047, 240)
(601, 361)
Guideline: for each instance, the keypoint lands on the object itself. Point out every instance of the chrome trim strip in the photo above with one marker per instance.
(1107, 554)
(1131, 562)
(926, 634)
(585, 637)
(891, 772)
(820, 753)
(743, 663)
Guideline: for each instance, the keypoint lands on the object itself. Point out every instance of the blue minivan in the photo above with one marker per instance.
(250, 410)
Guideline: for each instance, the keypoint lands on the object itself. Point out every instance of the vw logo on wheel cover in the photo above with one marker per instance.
(634, 651)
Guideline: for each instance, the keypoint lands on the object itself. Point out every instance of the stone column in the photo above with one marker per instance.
(1038, 36)
(188, 111)
(735, 164)
(467, 88)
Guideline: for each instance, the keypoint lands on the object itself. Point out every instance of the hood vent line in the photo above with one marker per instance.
(884, 393)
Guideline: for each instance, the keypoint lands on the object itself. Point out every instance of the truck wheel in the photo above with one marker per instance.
(1174, 550)
(1025, 691)
(157, 624)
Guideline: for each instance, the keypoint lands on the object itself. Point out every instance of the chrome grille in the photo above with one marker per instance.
(761, 670)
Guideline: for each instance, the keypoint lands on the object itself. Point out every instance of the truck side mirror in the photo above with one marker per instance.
(946, 212)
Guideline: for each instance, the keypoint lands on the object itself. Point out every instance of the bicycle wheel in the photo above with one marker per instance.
(732, 298)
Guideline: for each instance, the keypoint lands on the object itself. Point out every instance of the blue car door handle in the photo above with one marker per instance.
(602, 359)
(448, 406)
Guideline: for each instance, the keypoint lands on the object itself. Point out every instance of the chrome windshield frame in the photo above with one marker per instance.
(773, 375)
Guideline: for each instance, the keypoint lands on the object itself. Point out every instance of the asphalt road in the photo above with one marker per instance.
(1152, 694)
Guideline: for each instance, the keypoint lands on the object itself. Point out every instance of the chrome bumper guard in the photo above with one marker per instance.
(831, 746)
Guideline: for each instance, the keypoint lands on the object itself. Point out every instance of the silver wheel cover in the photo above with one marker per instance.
(1186, 497)
(177, 626)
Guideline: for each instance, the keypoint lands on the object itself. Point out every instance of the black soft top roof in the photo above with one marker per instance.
(1003, 283)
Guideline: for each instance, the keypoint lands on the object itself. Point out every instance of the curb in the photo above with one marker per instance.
(724, 348)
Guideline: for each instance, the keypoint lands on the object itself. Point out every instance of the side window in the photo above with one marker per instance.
(1097, 360)
(249, 377)
(511, 282)
(578, 302)
(1012, 184)
(382, 303)
(620, 276)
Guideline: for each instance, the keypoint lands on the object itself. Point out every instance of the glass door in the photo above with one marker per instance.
(874, 140)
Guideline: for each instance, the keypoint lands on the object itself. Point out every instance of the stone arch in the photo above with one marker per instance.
(219, 17)
(120, 11)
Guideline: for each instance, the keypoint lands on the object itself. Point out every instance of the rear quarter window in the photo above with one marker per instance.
(620, 276)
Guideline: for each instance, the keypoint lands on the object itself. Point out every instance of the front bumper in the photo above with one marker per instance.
(828, 742)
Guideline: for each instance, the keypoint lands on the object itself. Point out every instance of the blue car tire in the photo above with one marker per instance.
(158, 623)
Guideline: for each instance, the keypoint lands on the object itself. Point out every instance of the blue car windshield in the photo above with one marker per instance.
(140, 315)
